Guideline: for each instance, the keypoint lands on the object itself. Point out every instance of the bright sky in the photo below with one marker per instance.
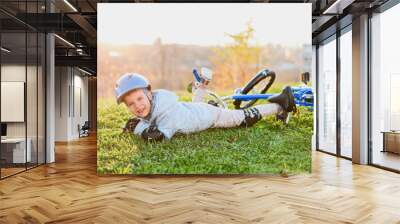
(203, 24)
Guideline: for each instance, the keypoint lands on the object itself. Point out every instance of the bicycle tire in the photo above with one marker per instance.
(252, 83)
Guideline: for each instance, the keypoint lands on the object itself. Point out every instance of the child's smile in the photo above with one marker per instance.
(138, 102)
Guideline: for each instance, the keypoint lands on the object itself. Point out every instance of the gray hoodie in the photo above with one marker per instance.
(171, 116)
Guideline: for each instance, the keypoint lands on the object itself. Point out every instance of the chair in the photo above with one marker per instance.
(84, 130)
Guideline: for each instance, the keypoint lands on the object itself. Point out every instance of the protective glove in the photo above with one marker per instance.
(130, 125)
(152, 133)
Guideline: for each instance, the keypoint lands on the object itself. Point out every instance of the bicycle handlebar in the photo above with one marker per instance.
(196, 75)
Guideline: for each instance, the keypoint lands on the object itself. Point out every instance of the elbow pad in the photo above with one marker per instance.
(152, 133)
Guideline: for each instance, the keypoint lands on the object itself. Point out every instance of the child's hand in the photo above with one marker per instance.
(130, 125)
(152, 134)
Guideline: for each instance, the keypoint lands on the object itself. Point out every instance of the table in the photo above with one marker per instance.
(391, 141)
(13, 150)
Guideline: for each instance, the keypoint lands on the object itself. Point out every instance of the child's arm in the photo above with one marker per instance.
(146, 131)
(130, 125)
(199, 93)
(152, 133)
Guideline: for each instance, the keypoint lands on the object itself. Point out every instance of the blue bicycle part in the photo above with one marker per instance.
(257, 80)
(251, 97)
(196, 75)
(303, 96)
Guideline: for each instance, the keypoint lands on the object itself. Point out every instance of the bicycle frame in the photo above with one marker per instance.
(300, 95)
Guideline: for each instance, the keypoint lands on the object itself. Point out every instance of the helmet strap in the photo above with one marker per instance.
(146, 91)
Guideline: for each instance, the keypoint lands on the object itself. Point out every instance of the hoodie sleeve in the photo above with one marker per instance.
(166, 102)
(168, 132)
(141, 126)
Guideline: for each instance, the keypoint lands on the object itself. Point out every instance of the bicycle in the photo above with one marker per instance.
(254, 90)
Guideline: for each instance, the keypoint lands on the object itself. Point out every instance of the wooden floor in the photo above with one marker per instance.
(387, 159)
(10, 171)
(69, 191)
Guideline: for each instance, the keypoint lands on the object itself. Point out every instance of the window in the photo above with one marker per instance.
(327, 96)
(23, 77)
(385, 89)
(346, 93)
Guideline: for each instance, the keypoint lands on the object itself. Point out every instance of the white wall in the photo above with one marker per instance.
(62, 81)
(70, 83)
(80, 118)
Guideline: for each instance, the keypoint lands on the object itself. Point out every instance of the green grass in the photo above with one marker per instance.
(267, 147)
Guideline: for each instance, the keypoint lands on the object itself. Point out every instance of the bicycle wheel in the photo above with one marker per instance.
(259, 84)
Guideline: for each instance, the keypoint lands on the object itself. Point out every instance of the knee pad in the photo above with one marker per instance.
(251, 116)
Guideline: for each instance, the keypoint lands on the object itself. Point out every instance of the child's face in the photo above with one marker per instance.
(138, 102)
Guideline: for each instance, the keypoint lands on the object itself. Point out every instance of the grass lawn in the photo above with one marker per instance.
(267, 147)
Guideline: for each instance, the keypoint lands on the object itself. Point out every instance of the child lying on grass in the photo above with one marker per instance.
(159, 114)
